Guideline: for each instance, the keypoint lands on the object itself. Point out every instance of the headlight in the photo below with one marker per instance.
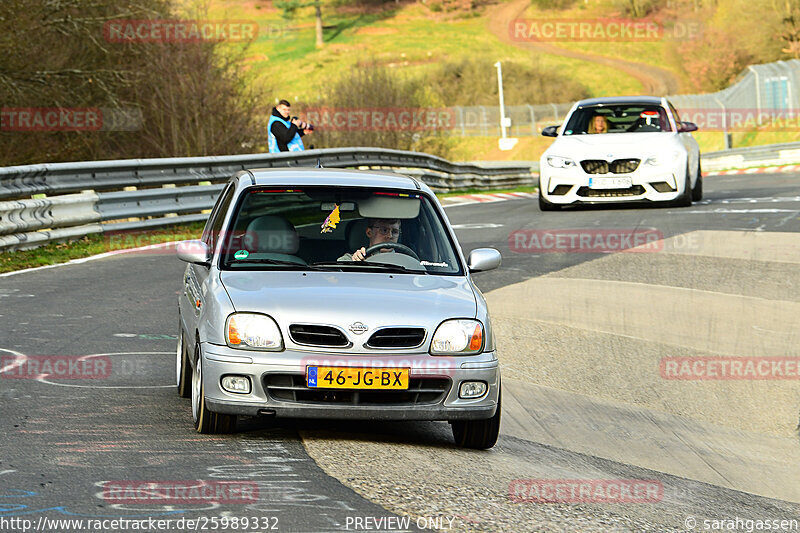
(250, 331)
(457, 337)
(560, 162)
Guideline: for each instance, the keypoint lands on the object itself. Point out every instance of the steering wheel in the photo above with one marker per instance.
(402, 248)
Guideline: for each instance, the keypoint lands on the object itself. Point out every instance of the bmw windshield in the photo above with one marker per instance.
(620, 118)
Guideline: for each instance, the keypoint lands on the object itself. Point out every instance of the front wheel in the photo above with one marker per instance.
(544, 205)
(206, 421)
(183, 372)
(685, 199)
(478, 434)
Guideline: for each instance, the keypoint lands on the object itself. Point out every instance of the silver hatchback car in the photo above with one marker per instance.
(322, 293)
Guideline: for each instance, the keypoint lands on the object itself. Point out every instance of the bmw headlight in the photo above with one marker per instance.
(560, 162)
(251, 331)
(457, 337)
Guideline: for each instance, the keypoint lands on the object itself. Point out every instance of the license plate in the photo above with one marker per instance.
(333, 377)
(610, 183)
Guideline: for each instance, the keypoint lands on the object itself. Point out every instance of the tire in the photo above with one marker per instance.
(478, 434)
(697, 192)
(183, 371)
(685, 199)
(544, 205)
(205, 421)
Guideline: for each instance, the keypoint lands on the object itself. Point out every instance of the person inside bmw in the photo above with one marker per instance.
(378, 231)
(598, 124)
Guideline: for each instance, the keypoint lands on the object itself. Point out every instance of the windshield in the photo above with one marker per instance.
(338, 228)
(623, 118)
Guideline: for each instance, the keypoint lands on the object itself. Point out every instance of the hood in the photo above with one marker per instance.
(344, 298)
(616, 145)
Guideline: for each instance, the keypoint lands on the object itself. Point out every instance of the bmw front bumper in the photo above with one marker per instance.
(572, 186)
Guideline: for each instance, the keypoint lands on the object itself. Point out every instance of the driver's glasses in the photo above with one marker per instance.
(387, 231)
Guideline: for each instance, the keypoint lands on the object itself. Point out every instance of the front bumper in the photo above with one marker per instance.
(561, 187)
(292, 399)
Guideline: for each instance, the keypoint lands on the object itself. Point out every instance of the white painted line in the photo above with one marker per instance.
(486, 225)
(735, 211)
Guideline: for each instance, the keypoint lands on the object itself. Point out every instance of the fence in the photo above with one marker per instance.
(526, 120)
(761, 93)
(44, 203)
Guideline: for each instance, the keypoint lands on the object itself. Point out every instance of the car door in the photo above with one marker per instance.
(195, 277)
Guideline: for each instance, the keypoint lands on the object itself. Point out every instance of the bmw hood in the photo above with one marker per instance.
(345, 299)
(612, 145)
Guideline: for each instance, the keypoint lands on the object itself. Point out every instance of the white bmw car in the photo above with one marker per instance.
(616, 149)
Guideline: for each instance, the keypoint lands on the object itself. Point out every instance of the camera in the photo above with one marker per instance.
(303, 125)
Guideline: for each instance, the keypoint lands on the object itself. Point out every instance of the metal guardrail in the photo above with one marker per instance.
(105, 196)
(753, 156)
(62, 178)
(58, 201)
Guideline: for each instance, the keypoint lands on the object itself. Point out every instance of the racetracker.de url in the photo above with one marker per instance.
(108, 525)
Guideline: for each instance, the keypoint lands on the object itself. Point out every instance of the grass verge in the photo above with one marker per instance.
(90, 245)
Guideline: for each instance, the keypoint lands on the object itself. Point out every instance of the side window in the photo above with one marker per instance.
(215, 220)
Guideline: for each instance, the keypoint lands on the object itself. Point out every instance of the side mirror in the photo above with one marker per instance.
(482, 259)
(686, 127)
(551, 131)
(196, 252)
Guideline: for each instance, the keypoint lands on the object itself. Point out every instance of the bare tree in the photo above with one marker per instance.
(55, 55)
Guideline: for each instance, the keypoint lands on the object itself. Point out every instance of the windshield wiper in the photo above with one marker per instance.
(265, 261)
(370, 265)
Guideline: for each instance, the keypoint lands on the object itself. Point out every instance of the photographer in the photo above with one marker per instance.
(284, 135)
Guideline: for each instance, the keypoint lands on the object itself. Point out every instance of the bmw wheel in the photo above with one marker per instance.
(685, 199)
(544, 205)
(697, 191)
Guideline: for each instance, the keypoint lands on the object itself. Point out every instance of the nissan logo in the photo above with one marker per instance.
(358, 328)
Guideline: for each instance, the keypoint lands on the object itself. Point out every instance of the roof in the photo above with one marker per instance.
(614, 100)
(337, 177)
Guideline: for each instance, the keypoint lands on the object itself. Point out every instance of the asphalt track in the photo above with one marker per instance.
(581, 335)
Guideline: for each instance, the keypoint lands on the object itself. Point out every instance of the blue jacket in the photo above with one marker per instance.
(282, 135)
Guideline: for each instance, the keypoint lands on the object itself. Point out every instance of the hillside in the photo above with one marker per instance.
(413, 40)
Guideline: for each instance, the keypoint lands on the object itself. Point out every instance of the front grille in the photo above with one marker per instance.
(617, 166)
(292, 388)
(397, 338)
(586, 192)
(595, 166)
(316, 335)
(623, 166)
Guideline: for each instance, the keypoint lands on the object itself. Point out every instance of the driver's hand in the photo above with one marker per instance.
(360, 254)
